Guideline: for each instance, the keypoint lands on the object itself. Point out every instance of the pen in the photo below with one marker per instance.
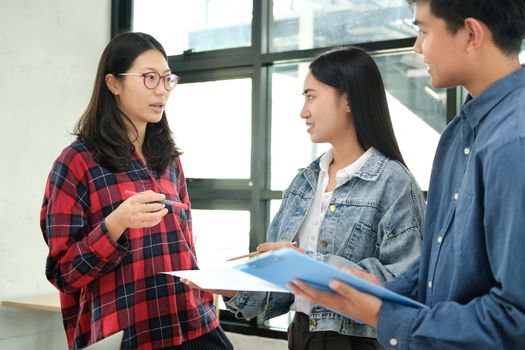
(257, 252)
(249, 255)
(165, 201)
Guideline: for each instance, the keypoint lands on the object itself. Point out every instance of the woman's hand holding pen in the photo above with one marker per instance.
(265, 247)
(141, 210)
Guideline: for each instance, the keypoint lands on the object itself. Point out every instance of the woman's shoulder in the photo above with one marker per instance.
(75, 157)
(395, 168)
(378, 165)
(392, 171)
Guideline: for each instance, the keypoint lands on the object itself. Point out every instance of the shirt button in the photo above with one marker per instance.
(313, 322)
(332, 208)
(429, 284)
(393, 341)
(456, 196)
(466, 151)
(439, 239)
(324, 243)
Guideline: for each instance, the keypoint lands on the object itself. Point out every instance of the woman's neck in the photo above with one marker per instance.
(346, 153)
(137, 138)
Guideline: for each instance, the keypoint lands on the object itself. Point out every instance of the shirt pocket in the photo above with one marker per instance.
(462, 222)
(359, 244)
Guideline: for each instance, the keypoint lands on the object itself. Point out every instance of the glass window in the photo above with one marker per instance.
(418, 111)
(306, 24)
(212, 119)
(409, 97)
(280, 322)
(199, 25)
(211, 122)
(220, 235)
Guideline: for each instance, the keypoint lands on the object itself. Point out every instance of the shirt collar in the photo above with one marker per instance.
(354, 169)
(370, 170)
(475, 109)
(373, 166)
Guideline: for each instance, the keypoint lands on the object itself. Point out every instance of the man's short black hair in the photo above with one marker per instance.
(504, 18)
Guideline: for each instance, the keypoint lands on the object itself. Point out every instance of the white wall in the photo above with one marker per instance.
(49, 51)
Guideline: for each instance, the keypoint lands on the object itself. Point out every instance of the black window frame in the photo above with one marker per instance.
(252, 194)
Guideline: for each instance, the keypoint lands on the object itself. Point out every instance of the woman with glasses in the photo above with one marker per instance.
(110, 233)
(357, 205)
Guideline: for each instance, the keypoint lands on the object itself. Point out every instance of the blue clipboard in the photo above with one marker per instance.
(282, 266)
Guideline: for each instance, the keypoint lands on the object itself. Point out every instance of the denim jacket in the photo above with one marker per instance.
(374, 222)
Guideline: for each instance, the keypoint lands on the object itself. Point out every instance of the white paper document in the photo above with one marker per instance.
(226, 277)
(273, 271)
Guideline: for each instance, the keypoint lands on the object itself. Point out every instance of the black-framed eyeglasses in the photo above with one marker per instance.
(152, 79)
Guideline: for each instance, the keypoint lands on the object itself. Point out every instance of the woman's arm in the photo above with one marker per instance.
(80, 251)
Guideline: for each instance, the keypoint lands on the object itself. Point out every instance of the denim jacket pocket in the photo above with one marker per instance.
(359, 244)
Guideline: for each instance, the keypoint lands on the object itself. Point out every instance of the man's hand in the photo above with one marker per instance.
(345, 299)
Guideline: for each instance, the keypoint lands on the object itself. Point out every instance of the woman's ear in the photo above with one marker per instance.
(113, 84)
(345, 101)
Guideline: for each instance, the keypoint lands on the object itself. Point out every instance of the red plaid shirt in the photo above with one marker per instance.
(106, 286)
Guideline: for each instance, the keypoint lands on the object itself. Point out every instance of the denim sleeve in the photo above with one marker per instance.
(401, 234)
(406, 284)
(493, 320)
(252, 304)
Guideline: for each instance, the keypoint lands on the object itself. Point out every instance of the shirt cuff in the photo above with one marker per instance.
(393, 325)
(236, 303)
(106, 248)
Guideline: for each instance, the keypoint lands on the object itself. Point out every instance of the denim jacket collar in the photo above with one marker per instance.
(370, 171)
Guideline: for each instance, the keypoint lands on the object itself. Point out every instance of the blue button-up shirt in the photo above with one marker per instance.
(472, 269)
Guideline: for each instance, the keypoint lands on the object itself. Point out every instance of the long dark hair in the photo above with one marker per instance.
(353, 72)
(102, 126)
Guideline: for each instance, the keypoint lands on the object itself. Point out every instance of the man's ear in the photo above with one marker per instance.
(113, 84)
(477, 33)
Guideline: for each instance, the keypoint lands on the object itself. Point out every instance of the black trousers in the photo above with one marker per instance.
(300, 338)
(214, 340)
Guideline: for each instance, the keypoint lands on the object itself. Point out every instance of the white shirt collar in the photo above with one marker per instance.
(347, 172)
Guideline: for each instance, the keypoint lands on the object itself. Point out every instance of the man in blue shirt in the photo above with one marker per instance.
(471, 274)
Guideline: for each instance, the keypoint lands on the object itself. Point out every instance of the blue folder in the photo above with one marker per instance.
(282, 266)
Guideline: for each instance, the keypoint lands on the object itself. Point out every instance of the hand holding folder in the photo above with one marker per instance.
(283, 266)
(275, 270)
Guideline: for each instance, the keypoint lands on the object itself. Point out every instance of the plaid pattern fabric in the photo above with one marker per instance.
(106, 286)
